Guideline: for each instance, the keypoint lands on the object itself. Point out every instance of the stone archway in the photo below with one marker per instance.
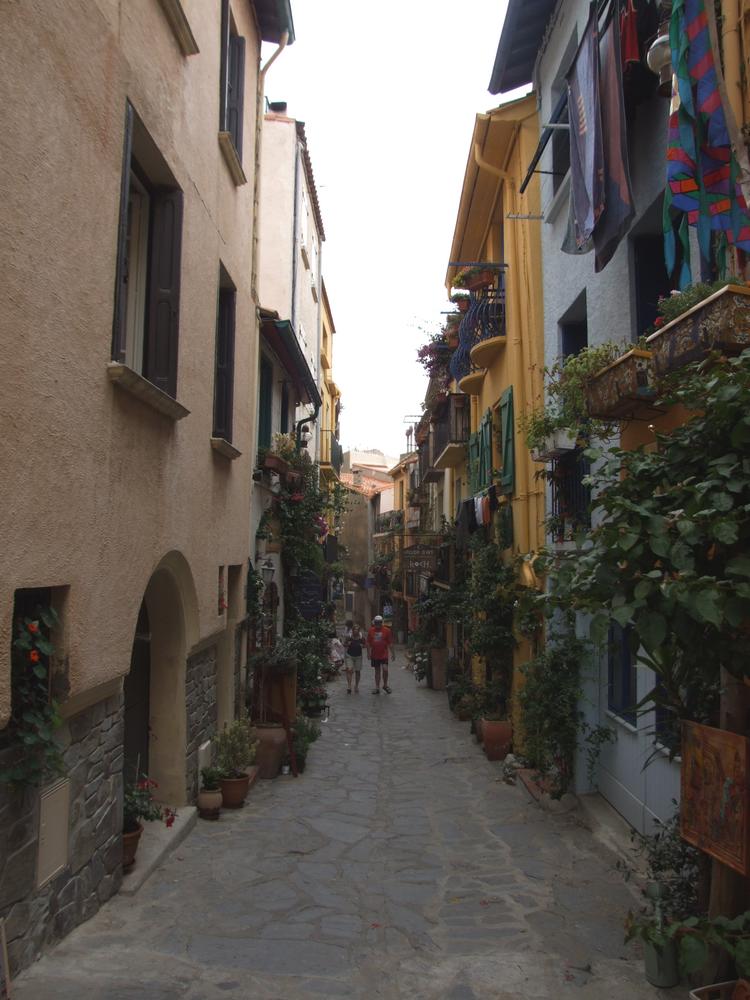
(171, 609)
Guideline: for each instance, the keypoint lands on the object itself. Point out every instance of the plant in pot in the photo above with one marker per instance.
(138, 804)
(274, 683)
(659, 949)
(235, 752)
(209, 797)
(304, 734)
(494, 729)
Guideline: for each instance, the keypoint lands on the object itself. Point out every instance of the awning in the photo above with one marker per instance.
(281, 338)
(523, 30)
(274, 18)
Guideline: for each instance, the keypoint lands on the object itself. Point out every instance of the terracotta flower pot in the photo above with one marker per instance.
(497, 738)
(271, 746)
(478, 730)
(234, 791)
(129, 847)
(209, 803)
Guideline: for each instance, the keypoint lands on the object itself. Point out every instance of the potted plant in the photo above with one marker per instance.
(138, 804)
(304, 734)
(659, 948)
(235, 752)
(494, 729)
(209, 797)
(622, 386)
(475, 277)
(462, 300)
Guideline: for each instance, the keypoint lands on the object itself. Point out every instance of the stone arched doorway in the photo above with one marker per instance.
(155, 708)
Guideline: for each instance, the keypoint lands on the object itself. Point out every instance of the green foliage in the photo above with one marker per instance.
(594, 738)
(235, 748)
(138, 803)
(669, 554)
(695, 937)
(671, 306)
(210, 777)
(549, 709)
(304, 734)
(307, 642)
(33, 753)
(491, 596)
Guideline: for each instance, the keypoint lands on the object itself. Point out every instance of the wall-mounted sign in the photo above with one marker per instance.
(714, 799)
(420, 559)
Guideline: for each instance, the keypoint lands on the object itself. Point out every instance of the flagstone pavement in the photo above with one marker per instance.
(398, 866)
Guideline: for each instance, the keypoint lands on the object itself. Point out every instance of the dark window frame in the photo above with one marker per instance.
(232, 80)
(622, 678)
(265, 403)
(226, 318)
(163, 267)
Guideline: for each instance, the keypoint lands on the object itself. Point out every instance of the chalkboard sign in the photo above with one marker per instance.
(308, 595)
(420, 559)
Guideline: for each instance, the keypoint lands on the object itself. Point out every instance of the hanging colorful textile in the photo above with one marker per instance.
(702, 173)
(586, 152)
(619, 210)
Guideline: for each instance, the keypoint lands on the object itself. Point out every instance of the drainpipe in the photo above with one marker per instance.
(295, 220)
(489, 167)
(258, 133)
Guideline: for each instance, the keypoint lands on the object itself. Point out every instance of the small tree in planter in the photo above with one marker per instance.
(235, 752)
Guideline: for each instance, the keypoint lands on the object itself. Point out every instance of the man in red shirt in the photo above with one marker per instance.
(379, 648)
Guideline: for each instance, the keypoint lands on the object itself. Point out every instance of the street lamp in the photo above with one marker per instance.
(266, 571)
(303, 436)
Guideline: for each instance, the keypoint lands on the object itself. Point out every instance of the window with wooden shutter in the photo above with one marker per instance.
(484, 470)
(507, 442)
(474, 448)
(265, 403)
(224, 374)
(164, 292)
(284, 424)
(232, 82)
(147, 283)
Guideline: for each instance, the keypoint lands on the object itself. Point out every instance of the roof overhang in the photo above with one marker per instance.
(274, 18)
(494, 134)
(281, 338)
(523, 30)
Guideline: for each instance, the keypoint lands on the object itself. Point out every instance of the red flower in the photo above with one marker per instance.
(34, 656)
(659, 321)
(33, 627)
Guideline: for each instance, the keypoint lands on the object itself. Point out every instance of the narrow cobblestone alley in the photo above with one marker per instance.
(398, 866)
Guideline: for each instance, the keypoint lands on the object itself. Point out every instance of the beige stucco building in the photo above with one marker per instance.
(130, 338)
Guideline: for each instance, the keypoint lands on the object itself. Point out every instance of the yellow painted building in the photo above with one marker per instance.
(329, 449)
(500, 366)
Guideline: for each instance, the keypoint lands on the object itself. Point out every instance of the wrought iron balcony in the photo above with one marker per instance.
(449, 432)
(392, 520)
(481, 335)
(331, 452)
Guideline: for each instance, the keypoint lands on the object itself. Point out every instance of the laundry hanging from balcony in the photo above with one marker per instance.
(703, 175)
(601, 196)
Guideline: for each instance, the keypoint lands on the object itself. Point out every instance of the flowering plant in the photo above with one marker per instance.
(434, 355)
(138, 803)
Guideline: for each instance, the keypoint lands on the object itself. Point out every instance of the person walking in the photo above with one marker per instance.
(354, 644)
(380, 648)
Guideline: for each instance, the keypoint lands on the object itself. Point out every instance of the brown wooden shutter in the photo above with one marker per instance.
(236, 90)
(224, 65)
(224, 380)
(121, 286)
(163, 310)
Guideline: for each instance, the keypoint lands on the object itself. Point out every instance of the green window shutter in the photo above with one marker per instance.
(484, 434)
(474, 463)
(265, 402)
(507, 439)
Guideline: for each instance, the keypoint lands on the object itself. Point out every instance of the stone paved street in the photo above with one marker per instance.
(397, 866)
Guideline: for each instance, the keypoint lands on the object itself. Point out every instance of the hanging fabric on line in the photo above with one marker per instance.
(702, 173)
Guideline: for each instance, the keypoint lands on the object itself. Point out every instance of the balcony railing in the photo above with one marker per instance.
(392, 520)
(331, 452)
(452, 426)
(483, 320)
(571, 497)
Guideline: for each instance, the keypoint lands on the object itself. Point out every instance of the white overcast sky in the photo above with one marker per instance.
(388, 92)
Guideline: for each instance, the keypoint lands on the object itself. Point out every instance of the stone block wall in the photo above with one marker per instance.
(36, 918)
(200, 699)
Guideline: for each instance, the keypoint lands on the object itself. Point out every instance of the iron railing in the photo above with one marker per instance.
(392, 520)
(571, 497)
(485, 318)
(451, 426)
(331, 452)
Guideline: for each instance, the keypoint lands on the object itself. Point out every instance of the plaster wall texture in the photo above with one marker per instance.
(97, 487)
(276, 214)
